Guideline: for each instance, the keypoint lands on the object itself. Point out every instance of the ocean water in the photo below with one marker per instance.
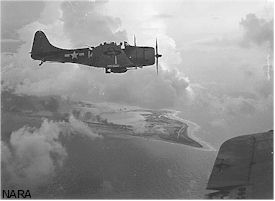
(112, 168)
(133, 168)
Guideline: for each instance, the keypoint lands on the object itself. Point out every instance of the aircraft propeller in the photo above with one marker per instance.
(157, 56)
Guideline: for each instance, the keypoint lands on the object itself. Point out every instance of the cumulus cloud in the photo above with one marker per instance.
(15, 15)
(257, 30)
(86, 24)
(81, 128)
(144, 88)
(32, 155)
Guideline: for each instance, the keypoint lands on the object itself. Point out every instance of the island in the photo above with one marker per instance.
(105, 119)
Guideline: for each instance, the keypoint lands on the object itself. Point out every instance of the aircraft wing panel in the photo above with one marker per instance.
(244, 167)
(110, 55)
(124, 60)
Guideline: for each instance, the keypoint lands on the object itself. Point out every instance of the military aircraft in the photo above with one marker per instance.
(114, 58)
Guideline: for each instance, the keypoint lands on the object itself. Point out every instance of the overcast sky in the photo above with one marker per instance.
(216, 64)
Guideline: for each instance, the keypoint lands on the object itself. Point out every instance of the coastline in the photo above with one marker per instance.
(192, 129)
(144, 121)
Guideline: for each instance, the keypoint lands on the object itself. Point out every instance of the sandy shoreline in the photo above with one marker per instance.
(192, 129)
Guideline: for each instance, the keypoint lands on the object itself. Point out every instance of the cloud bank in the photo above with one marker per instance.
(33, 155)
(257, 31)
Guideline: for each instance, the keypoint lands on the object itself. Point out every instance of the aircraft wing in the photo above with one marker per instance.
(244, 168)
(110, 55)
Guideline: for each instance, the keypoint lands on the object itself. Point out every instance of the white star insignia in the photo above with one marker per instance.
(74, 55)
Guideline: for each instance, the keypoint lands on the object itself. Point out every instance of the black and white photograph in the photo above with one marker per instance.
(137, 99)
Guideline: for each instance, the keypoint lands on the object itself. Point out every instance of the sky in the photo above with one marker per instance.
(217, 63)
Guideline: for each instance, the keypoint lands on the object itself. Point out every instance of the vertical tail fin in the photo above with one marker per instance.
(41, 45)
